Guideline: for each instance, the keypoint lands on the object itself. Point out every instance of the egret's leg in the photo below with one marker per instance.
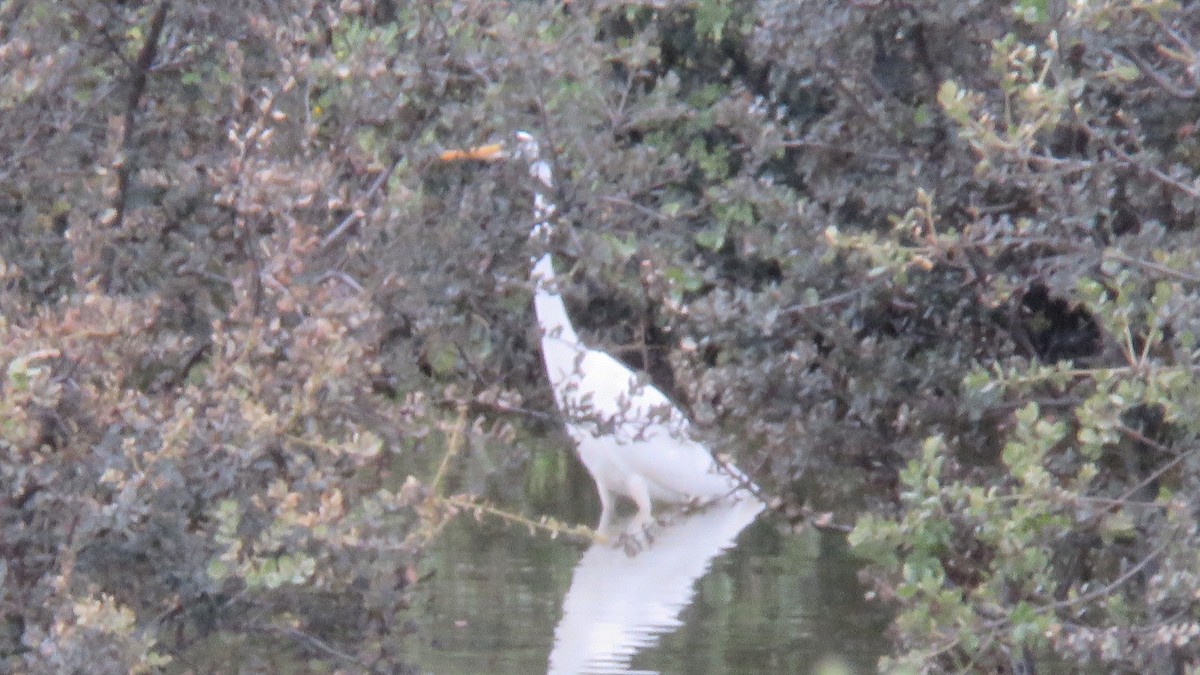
(640, 493)
(637, 535)
(606, 509)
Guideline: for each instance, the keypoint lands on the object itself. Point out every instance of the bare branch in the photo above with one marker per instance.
(137, 87)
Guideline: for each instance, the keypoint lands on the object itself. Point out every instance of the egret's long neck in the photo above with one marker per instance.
(561, 348)
(560, 343)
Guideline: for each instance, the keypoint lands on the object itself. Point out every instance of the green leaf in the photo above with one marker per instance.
(1032, 11)
(712, 238)
(623, 249)
(684, 278)
(443, 358)
(218, 570)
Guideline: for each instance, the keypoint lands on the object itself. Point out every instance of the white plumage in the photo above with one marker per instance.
(633, 440)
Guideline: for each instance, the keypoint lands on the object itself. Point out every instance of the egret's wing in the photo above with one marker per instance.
(605, 394)
(617, 412)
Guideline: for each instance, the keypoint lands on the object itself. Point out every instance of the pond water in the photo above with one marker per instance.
(706, 597)
(728, 590)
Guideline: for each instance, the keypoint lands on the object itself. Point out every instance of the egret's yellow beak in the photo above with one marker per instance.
(489, 152)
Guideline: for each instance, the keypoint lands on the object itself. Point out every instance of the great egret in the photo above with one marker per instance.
(633, 440)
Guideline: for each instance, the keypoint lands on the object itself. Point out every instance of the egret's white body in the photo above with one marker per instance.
(629, 435)
(633, 440)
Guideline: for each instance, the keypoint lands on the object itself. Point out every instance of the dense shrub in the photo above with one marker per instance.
(948, 245)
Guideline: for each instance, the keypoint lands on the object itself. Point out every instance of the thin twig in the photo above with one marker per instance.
(1154, 475)
(1153, 266)
(842, 149)
(301, 636)
(341, 276)
(454, 444)
(357, 212)
(502, 407)
(1108, 588)
(637, 207)
(1155, 172)
(579, 532)
(137, 87)
(826, 302)
(1165, 84)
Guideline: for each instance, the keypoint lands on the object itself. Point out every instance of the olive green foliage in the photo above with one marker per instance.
(1072, 543)
(202, 427)
(251, 330)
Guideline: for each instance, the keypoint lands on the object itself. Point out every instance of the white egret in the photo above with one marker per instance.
(633, 440)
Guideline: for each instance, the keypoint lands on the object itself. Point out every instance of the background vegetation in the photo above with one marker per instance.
(947, 248)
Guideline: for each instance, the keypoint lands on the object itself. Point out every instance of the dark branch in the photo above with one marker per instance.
(137, 87)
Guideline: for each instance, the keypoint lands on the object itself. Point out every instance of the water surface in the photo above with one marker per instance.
(773, 603)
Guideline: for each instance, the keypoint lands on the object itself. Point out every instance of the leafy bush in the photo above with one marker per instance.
(1074, 547)
(944, 249)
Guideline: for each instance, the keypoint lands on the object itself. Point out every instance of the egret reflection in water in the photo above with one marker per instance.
(619, 605)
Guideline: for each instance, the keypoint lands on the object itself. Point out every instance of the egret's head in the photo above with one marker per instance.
(526, 147)
(528, 150)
